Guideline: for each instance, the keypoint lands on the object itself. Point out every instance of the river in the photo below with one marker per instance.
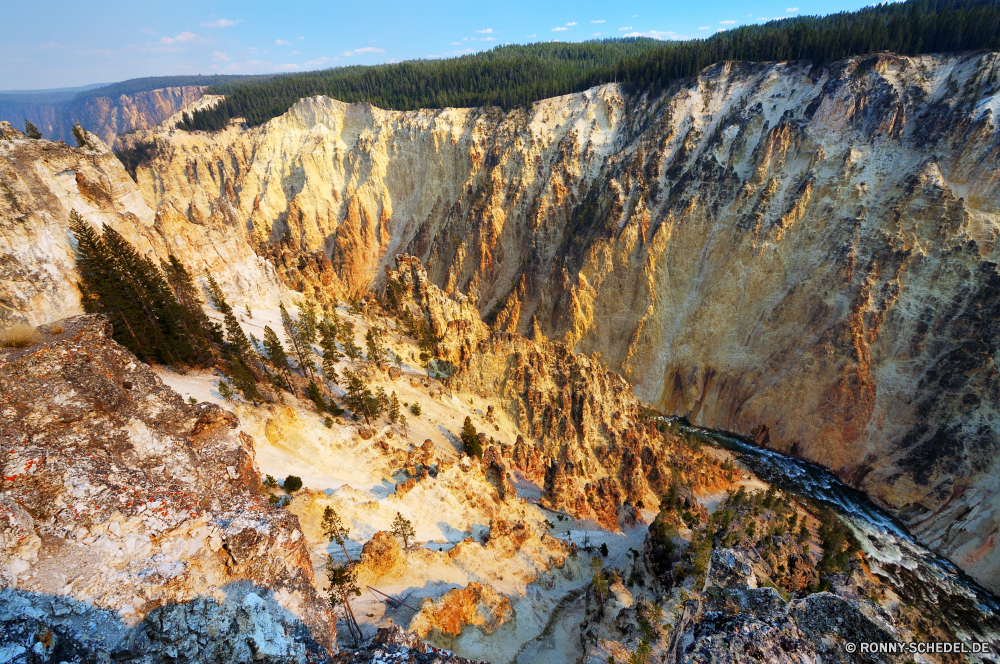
(919, 575)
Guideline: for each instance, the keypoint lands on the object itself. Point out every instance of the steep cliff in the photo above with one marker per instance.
(131, 525)
(41, 181)
(108, 117)
(805, 255)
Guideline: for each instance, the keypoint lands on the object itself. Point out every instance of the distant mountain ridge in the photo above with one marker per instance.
(106, 109)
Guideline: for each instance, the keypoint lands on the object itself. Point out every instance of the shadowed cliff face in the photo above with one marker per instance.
(802, 255)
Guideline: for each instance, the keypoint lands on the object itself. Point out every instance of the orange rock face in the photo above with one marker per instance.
(476, 604)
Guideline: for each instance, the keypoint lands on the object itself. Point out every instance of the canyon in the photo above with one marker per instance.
(802, 255)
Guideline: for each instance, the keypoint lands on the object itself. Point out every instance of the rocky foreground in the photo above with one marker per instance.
(131, 527)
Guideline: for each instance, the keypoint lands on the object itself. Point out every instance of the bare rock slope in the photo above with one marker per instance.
(804, 255)
(130, 522)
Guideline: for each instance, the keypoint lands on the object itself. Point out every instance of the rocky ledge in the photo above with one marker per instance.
(130, 523)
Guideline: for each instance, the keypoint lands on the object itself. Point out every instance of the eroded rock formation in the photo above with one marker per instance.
(805, 255)
(125, 507)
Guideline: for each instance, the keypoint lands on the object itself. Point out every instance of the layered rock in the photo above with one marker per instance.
(41, 182)
(593, 447)
(801, 254)
(125, 507)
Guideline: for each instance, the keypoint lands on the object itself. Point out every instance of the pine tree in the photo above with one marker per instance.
(316, 396)
(335, 530)
(346, 336)
(360, 399)
(394, 411)
(80, 136)
(328, 342)
(343, 586)
(31, 131)
(308, 323)
(276, 354)
(402, 528)
(470, 439)
(376, 350)
(216, 295)
(292, 334)
(127, 287)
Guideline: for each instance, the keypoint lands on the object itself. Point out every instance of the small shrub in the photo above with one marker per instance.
(192, 400)
(292, 484)
(57, 328)
(604, 549)
(270, 482)
(328, 422)
(18, 336)
(415, 409)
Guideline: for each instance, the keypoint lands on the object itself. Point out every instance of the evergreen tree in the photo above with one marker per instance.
(376, 349)
(394, 412)
(117, 281)
(31, 131)
(293, 335)
(308, 323)
(276, 354)
(328, 342)
(343, 586)
(216, 295)
(402, 528)
(335, 530)
(316, 396)
(470, 439)
(80, 136)
(360, 399)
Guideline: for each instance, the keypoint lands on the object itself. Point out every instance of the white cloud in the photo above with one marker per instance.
(288, 67)
(570, 25)
(601, 21)
(319, 62)
(560, 29)
(623, 29)
(658, 34)
(220, 23)
(792, 9)
(147, 31)
(363, 50)
(721, 30)
(301, 37)
(219, 56)
(182, 38)
(487, 39)
(705, 27)
(455, 44)
(529, 36)
(727, 22)
(487, 31)
(596, 34)
(282, 42)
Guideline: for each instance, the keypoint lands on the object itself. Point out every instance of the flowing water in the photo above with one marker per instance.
(918, 574)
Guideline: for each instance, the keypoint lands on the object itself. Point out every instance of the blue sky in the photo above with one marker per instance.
(64, 43)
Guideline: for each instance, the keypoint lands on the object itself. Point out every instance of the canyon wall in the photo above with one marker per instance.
(41, 181)
(108, 117)
(803, 255)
